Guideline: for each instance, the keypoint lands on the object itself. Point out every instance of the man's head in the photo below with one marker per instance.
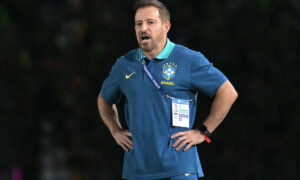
(152, 23)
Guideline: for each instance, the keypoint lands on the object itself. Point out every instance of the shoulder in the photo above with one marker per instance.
(128, 57)
(124, 61)
(188, 54)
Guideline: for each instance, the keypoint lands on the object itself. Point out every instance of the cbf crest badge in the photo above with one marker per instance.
(169, 70)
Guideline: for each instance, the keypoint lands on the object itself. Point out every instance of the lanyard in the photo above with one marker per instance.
(158, 87)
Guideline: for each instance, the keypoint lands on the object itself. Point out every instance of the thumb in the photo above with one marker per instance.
(128, 133)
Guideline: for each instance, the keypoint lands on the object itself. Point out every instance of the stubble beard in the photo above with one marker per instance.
(153, 44)
(148, 48)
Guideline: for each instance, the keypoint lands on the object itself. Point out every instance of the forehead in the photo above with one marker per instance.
(148, 12)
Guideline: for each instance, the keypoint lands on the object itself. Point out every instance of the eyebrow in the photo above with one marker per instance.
(146, 20)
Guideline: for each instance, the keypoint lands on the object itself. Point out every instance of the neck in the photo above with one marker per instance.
(150, 55)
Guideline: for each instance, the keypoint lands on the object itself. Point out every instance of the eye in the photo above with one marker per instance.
(138, 24)
(151, 22)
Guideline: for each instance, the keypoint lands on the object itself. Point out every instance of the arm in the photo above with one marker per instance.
(109, 115)
(224, 98)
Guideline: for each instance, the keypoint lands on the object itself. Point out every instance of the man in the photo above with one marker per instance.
(159, 82)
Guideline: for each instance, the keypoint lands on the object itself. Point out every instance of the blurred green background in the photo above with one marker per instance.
(55, 54)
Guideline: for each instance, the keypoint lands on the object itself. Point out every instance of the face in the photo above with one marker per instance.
(151, 31)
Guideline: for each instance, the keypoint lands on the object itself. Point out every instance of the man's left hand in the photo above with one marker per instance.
(188, 138)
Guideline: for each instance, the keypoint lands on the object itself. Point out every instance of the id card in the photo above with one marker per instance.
(180, 113)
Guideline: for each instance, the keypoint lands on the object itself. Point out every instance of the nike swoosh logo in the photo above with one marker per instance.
(128, 76)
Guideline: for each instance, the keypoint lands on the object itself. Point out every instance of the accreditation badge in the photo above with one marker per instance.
(180, 113)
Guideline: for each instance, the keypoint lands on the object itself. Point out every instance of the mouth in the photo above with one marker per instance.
(145, 38)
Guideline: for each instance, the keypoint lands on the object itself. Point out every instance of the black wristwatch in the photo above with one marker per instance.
(204, 131)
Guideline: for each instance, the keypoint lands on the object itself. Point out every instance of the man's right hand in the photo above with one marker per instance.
(123, 138)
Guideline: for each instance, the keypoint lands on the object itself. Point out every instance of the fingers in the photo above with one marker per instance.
(124, 147)
(179, 140)
(182, 141)
(182, 144)
(178, 134)
(187, 138)
(188, 147)
(123, 139)
(128, 133)
(128, 143)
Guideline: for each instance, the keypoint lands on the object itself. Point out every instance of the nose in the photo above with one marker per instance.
(144, 27)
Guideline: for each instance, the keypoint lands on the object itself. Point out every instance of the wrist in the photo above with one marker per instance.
(114, 130)
(204, 132)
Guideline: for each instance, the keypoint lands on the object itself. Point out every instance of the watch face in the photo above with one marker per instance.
(203, 128)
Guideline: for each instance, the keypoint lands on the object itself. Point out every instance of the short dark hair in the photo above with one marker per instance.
(163, 11)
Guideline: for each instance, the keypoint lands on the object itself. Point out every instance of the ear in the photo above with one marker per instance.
(167, 26)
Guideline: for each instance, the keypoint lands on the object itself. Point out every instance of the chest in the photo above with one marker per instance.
(173, 76)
